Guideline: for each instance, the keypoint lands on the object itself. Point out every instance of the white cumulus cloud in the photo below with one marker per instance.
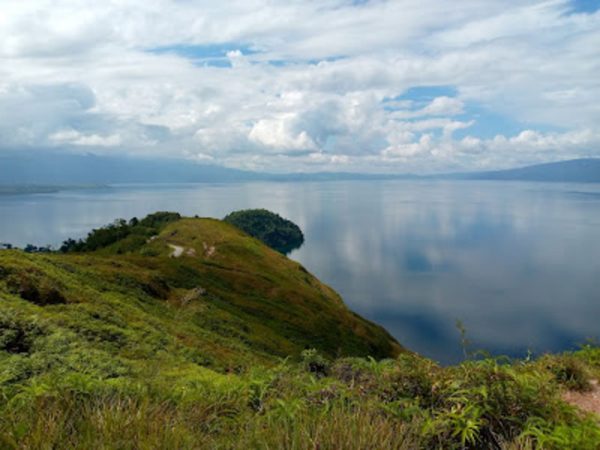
(291, 85)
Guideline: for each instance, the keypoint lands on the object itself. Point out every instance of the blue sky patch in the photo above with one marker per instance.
(585, 6)
(212, 55)
(419, 96)
(427, 93)
(312, 62)
(487, 124)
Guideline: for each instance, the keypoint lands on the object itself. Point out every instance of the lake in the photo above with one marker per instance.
(517, 263)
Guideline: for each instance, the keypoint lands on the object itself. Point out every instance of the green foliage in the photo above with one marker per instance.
(471, 406)
(585, 435)
(276, 232)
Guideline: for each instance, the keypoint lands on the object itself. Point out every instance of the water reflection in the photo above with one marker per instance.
(517, 263)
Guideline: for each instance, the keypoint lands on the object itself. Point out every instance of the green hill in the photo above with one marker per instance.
(200, 336)
(227, 300)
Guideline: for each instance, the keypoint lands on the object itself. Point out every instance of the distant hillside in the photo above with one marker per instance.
(43, 171)
(576, 170)
(54, 168)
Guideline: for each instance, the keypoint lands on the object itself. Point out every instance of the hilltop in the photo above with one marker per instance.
(174, 333)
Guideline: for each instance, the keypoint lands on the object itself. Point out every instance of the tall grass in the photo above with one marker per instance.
(406, 403)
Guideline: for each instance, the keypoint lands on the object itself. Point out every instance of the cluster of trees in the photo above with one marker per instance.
(278, 233)
(29, 248)
(119, 230)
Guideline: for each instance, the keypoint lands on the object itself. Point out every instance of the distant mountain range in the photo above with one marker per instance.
(50, 169)
(47, 168)
(575, 170)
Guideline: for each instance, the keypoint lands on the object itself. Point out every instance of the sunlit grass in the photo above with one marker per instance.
(358, 404)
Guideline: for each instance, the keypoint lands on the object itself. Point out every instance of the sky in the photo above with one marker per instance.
(418, 86)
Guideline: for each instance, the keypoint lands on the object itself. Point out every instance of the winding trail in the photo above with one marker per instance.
(177, 251)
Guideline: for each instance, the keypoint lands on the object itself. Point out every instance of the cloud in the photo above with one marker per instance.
(444, 106)
(293, 85)
(73, 137)
(438, 154)
(279, 134)
(439, 106)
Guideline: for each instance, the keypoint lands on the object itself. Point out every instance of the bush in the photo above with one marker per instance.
(17, 335)
(569, 371)
(315, 363)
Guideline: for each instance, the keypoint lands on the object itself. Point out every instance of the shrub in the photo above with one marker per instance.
(315, 363)
(35, 289)
(569, 371)
(16, 333)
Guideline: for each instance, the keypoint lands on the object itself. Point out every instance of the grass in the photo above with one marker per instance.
(234, 346)
(408, 402)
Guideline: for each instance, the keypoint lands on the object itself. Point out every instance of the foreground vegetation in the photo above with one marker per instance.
(349, 403)
(232, 345)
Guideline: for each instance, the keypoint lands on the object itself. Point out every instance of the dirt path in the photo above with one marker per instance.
(209, 250)
(177, 251)
(586, 401)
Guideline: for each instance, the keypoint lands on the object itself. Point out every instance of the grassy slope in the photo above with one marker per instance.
(131, 355)
(243, 304)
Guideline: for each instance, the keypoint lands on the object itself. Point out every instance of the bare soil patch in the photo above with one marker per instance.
(586, 401)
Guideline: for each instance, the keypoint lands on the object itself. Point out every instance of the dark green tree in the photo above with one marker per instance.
(278, 233)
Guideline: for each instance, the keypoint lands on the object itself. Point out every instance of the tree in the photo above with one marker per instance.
(278, 233)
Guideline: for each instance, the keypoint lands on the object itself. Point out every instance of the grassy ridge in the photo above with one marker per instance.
(228, 301)
(129, 347)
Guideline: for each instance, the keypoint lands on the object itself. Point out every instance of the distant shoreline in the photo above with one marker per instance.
(22, 189)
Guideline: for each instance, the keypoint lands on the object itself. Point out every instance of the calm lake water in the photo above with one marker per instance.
(517, 263)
